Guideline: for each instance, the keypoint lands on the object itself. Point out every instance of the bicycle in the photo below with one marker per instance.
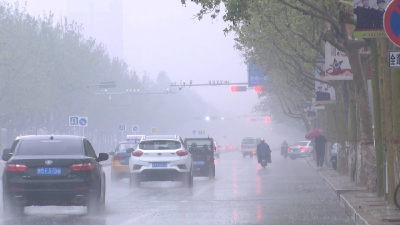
(397, 196)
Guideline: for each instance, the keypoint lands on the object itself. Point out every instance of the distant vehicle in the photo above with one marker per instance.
(300, 149)
(201, 150)
(334, 151)
(120, 158)
(249, 146)
(53, 170)
(217, 150)
(160, 158)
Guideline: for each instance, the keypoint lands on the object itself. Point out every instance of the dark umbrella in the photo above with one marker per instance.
(314, 133)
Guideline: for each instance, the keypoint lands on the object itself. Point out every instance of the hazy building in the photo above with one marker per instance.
(102, 20)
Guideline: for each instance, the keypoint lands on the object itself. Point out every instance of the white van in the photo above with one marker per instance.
(249, 146)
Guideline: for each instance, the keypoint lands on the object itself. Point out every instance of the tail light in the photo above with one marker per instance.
(182, 152)
(118, 157)
(82, 166)
(16, 189)
(16, 167)
(254, 152)
(230, 147)
(288, 149)
(243, 152)
(137, 153)
(303, 148)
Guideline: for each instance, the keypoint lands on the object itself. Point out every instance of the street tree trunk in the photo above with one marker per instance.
(383, 118)
(387, 87)
(352, 135)
(377, 119)
(367, 171)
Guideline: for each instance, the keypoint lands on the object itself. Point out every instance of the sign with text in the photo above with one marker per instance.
(394, 59)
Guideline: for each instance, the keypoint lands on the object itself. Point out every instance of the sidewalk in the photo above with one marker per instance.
(365, 208)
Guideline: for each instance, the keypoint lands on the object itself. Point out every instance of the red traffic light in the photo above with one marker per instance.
(267, 119)
(238, 88)
(258, 88)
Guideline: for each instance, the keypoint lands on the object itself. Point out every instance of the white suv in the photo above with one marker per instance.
(160, 158)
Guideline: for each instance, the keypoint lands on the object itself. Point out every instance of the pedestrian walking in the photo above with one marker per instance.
(320, 143)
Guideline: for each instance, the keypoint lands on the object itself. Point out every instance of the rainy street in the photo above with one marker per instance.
(287, 192)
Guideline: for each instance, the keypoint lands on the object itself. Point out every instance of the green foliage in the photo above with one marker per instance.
(45, 67)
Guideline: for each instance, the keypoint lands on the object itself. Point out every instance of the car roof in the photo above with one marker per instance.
(160, 137)
(128, 142)
(48, 137)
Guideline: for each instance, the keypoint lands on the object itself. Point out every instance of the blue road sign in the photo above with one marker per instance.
(194, 131)
(255, 75)
(83, 121)
(135, 128)
(200, 132)
(73, 121)
(122, 127)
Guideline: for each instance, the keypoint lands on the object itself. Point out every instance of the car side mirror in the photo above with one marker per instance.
(7, 151)
(111, 153)
(130, 150)
(7, 156)
(102, 157)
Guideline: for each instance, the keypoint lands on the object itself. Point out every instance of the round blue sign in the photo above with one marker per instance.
(194, 131)
(135, 128)
(82, 121)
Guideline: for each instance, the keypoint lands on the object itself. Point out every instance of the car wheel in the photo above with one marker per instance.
(211, 175)
(292, 158)
(134, 181)
(94, 205)
(11, 208)
(187, 180)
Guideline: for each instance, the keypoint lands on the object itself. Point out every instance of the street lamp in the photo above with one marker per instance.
(207, 118)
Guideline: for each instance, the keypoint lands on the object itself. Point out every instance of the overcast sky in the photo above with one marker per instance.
(161, 35)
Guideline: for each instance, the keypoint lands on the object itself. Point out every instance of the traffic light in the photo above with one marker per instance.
(267, 119)
(238, 88)
(258, 88)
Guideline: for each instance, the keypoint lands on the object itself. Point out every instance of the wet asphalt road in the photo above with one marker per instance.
(287, 192)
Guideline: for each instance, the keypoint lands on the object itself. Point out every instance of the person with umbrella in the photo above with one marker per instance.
(320, 142)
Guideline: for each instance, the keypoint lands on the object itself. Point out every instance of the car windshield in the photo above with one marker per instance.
(249, 141)
(50, 147)
(301, 143)
(125, 146)
(159, 145)
(199, 144)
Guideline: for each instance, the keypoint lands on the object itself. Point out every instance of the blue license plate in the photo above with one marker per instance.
(49, 170)
(157, 165)
(198, 162)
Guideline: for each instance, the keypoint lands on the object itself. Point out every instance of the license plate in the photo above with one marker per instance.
(157, 165)
(49, 171)
(198, 162)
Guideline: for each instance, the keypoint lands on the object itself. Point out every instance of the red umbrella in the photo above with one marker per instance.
(314, 133)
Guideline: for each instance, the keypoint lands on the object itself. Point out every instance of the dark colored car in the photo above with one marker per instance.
(202, 151)
(53, 170)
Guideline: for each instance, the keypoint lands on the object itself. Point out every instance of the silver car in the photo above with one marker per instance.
(300, 149)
